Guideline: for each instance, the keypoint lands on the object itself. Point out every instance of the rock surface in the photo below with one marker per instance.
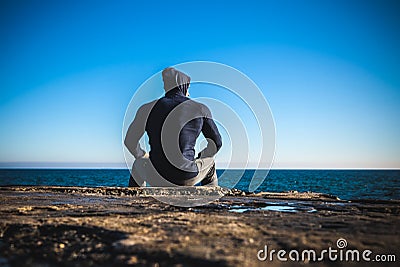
(71, 226)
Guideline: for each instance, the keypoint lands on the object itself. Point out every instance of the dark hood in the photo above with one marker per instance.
(175, 82)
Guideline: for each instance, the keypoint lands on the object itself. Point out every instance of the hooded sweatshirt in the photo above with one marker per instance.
(173, 124)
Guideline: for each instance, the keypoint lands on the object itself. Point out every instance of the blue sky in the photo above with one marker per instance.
(330, 71)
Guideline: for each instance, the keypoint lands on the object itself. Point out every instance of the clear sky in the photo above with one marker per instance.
(330, 71)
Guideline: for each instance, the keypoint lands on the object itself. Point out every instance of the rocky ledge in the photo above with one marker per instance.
(103, 226)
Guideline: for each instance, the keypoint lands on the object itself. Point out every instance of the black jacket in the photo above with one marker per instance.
(173, 123)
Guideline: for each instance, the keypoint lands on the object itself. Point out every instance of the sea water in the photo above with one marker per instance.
(346, 184)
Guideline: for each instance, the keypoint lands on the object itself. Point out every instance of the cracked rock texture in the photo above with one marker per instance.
(72, 226)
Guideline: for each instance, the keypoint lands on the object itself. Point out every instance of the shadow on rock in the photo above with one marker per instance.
(61, 245)
(70, 245)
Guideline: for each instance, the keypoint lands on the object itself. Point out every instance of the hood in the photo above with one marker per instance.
(175, 82)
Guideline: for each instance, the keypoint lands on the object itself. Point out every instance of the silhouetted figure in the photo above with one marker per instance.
(173, 123)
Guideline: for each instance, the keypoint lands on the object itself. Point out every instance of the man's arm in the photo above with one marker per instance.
(211, 133)
(135, 132)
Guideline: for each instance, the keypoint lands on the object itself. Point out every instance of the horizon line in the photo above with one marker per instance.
(125, 168)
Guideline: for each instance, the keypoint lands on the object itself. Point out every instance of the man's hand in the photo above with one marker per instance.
(146, 156)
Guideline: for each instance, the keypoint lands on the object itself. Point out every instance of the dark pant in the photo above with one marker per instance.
(143, 170)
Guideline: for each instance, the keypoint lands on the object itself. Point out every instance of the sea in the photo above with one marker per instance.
(345, 184)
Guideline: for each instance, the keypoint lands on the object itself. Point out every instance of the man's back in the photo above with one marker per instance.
(173, 123)
(173, 126)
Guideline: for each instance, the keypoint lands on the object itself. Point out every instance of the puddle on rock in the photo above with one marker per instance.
(280, 208)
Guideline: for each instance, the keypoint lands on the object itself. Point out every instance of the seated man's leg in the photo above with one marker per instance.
(211, 177)
(138, 173)
(143, 173)
(207, 172)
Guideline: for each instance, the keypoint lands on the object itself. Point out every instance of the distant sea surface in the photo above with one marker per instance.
(346, 184)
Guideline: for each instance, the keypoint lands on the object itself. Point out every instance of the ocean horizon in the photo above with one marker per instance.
(347, 184)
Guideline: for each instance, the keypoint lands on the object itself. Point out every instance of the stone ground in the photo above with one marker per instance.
(65, 226)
